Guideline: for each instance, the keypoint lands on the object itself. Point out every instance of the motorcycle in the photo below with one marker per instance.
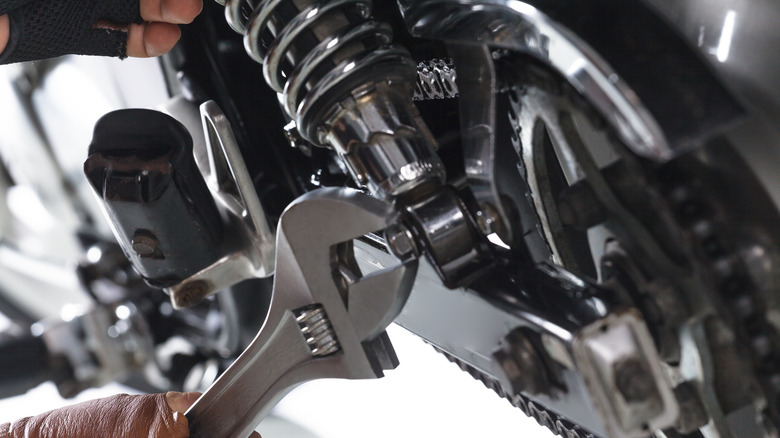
(574, 202)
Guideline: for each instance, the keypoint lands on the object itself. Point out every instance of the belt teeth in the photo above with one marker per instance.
(436, 80)
(554, 422)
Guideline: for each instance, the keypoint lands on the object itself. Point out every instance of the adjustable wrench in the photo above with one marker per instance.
(326, 320)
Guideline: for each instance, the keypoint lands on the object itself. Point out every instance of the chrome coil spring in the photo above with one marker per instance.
(309, 50)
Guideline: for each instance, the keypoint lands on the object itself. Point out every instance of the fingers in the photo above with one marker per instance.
(171, 11)
(180, 402)
(151, 39)
(160, 32)
(4, 31)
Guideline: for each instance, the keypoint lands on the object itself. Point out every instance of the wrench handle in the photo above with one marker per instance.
(264, 373)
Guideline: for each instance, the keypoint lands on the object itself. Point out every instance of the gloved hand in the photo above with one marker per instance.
(125, 416)
(40, 29)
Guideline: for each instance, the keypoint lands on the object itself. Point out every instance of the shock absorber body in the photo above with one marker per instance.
(345, 85)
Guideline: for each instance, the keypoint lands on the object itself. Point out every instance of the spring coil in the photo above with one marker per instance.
(348, 45)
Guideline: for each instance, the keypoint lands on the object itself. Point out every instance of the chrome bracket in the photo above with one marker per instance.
(519, 26)
(231, 185)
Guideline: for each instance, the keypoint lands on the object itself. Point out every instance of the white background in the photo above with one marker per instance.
(426, 396)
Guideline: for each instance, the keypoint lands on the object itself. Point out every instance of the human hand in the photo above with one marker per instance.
(126, 416)
(34, 29)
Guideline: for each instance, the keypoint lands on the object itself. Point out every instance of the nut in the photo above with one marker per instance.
(524, 371)
(190, 294)
(400, 241)
(634, 381)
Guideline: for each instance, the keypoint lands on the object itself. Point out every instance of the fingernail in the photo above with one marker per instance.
(151, 50)
(172, 398)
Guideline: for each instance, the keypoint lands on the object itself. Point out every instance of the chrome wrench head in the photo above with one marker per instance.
(326, 320)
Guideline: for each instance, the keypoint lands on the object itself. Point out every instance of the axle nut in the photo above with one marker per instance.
(400, 241)
(524, 371)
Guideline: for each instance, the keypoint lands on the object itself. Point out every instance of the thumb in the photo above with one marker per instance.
(181, 401)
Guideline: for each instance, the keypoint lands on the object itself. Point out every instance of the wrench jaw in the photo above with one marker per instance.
(326, 319)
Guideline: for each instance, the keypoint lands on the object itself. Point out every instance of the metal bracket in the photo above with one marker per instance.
(623, 372)
(231, 185)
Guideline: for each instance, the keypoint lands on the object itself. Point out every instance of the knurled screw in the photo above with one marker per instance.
(400, 241)
(144, 243)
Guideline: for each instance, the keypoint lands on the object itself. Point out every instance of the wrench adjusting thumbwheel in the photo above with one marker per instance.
(319, 325)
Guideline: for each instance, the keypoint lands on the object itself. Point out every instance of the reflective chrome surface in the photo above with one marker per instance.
(232, 187)
(518, 26)
(354, 310)
(739, 38)
(477, 105)
(386, 145)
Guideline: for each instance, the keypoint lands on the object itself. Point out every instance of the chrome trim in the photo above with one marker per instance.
(518, 26)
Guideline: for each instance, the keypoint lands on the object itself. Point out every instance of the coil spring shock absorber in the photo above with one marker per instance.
(345, 85)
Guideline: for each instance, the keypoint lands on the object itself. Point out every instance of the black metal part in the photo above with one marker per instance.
(523, 368)
(141, 165)
(445, 227)
(546, 302)
(24, 364)
(210, 63)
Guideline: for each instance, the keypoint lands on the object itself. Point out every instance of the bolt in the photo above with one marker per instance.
(400, 241)
(523, 369)
(634, 381)
(144, 243)
(190, 294)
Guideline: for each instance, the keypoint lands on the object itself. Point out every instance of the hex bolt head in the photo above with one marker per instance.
(144, 243)
(400, 241)
(190, 294)
(524, 371)
(633, 381)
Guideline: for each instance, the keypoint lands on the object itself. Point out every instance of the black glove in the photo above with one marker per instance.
(43, 29)
(10, 5)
